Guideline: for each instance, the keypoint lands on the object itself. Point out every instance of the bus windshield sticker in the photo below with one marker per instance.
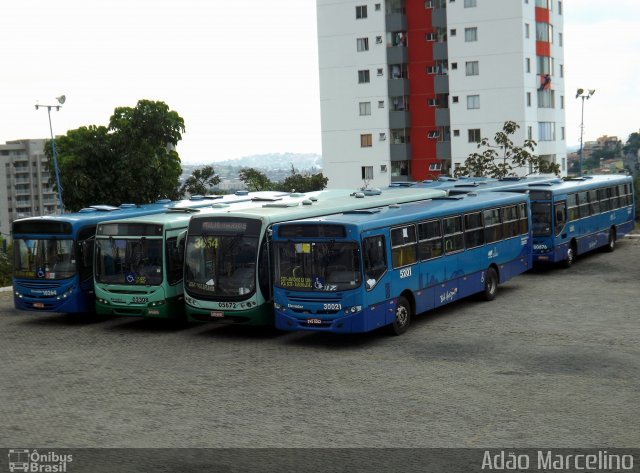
(303, 248)
(318, 282)
(292, 281)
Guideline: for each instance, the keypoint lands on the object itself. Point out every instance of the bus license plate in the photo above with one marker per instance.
(217, 314)
(314, 321)
(38, 305)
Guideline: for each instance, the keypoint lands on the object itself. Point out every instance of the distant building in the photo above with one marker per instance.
(24, 182)
(409, 87)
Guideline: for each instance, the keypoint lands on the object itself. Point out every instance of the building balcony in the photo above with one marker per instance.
(441, 84)
(439, 17)
(440, 51)
(443, 117)
(397, 55)
(398, 87)
(443, 150)
(400, 152)
(396, 21)
(399, 119)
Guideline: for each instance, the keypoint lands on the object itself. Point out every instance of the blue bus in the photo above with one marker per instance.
(578, 215)
(365, 269)
(53, 254)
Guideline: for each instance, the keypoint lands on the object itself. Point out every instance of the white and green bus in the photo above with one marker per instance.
(228, 259)
(139, 261)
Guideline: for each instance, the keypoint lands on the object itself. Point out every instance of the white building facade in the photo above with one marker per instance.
(408, 87)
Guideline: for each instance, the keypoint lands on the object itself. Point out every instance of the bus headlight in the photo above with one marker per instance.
(157, 303)
(277, 306)
(353, 310)
(65, 295)
(102, 301)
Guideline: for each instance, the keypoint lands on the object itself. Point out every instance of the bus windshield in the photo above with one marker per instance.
(129, 261)
(541, 217)
(44, 259)
(221, 265)
(317, 266)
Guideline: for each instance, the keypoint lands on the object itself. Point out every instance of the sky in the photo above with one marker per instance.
(244, 73)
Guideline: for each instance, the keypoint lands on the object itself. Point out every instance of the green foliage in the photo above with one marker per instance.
(200, 182)
(302, 182)
(255, 180)
(6, 265)
(133, 160)
(632, 145)
(502, 158)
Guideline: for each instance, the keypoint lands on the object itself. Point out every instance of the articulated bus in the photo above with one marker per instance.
(139, 261)
(52, 257)
(365, 269)
(228, 270)
(579, 215)
(53, 254)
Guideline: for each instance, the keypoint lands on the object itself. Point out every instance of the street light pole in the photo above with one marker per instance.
(54, 153)
(581, 93)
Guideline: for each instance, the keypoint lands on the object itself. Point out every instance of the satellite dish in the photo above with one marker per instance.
(61, 99)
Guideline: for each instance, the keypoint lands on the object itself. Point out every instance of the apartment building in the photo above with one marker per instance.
(409, 87)
(24, 182)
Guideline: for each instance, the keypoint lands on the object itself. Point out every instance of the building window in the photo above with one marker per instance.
(562, 133)
(526, 30)
(366, 140)
(544, 65)
(363, 77)
(367, 172)
(456, 132)
(473, 102)
(452, 32)
(559, 8)
(562, 101)
(564, 164)
(430, 37)
(544, 32)
(542, 4)
(546, 98)
(377, 7)
(432, 102)
(527, 64)
(378, 39)
(561, 70)
(474, 135)
(431, 69)
(560, 39)
(361, 12)
(454, 99)
(383, 168)
(546, 131)
(472, 68)
(435, 167)
(528, 99)
(470, 3)
(365, 108)
(471, 34)
(382, 136)
(529, 132)
(362, 44)
(380, 103)
(433, 134)
(428, 4)
(380, 72)
(454, 66)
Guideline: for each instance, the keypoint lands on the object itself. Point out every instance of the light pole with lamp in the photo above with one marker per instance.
(583, 95)
(61, 101)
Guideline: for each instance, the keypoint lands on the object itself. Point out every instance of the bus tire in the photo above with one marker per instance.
(490, 285)
(402, 317)
(570, 256)
(611, 244)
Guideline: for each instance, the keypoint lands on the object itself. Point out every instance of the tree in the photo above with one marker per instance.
(632, 145)
(302, 182)
(200, 182)
(6, 266)
(131, 160)
(502, 158)
(255, 180)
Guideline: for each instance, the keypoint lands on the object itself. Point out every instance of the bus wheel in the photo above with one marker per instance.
(490, 285)
(611, 245)
(403, 317)
(571, 256)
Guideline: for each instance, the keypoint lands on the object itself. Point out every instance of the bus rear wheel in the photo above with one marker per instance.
(490, 285)
(403, 317)
(611, 244)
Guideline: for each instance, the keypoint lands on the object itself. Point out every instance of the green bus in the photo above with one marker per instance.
(228, 259)
(139, 261)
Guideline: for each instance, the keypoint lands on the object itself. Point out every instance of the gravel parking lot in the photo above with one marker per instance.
(554, 360)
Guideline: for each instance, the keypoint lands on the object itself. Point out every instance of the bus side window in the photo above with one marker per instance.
(560, 217)
(375, 260)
